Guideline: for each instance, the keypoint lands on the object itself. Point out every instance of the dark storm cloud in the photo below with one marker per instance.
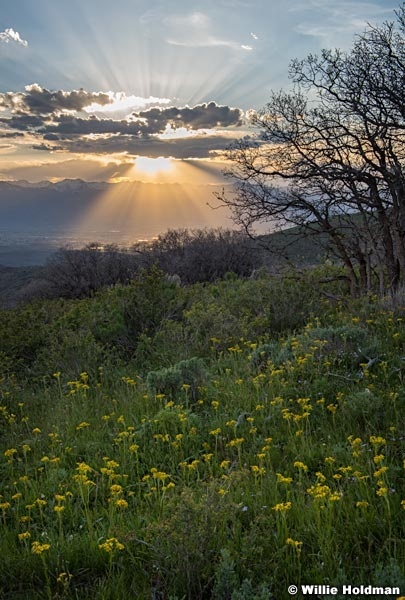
(40, 101)
(202, 116)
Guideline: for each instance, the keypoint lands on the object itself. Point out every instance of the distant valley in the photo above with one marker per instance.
(38, 218)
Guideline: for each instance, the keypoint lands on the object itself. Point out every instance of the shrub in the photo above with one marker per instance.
(348, 344)
(186, 374)
(272, 352)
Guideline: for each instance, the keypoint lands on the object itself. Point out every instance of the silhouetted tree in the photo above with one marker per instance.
(77, 273)
(329, 157)
(202, 254)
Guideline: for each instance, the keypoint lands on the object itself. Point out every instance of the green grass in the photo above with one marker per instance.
(285, 465)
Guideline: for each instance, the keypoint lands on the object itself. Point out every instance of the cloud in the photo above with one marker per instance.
(93, 168)
(120, 101)
(67, 125)
(151, 121)
(40, 101)
(11, 134)
(195, 31)
(195, 20)
(201, 116)
(46, 147)
(153, 147)
(9, 35)
(23, 122)
(204, 42)
(56, 121)
(337, 17)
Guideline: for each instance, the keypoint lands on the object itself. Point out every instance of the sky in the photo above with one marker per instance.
(150, 90)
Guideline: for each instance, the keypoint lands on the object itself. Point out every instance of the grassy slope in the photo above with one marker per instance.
(286, 467)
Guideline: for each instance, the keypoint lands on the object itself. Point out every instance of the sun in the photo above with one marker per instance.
(153, 166)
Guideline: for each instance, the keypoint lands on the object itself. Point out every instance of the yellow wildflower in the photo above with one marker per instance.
(111, 545)
(236, 442)
(82, 425)
(215, 431)
(10, 452)
(83, 468)
(300, 465)
(378, 458)
(38, 548)
(282, 479)
(295, 544)
(121, 503)
(258, 470)
(282, 506)
(380, 471)
(64, 578)
(377, 440)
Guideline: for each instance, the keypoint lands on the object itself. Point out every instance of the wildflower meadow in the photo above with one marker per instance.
(219, 441)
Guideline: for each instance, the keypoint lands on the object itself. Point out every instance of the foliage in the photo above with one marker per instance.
(186, 375)
(281, 463)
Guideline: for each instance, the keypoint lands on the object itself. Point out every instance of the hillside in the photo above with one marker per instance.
(214, 441)
(12, 281)
(196, 255)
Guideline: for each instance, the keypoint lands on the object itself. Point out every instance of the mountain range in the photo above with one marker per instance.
(133, 208)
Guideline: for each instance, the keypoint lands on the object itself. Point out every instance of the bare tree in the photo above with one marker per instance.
(202, 254)
(329, 157)
(73, 273)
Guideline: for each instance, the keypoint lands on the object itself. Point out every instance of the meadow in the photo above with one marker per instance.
(217, 441)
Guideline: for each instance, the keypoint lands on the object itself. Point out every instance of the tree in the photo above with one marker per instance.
(78, 273)
(329, 157)
(200, 255)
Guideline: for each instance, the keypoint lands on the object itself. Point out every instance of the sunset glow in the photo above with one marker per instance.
(132, 92)
(153, 166)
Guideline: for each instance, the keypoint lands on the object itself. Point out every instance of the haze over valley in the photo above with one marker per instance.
(36, 219)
